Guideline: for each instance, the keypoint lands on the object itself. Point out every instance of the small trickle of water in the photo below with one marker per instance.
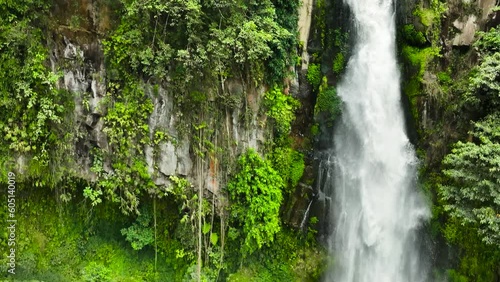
(306, 215)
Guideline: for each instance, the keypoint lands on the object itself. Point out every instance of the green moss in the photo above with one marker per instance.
(444, 77)
(426, 16)
(413, 89)
(338, 63)
(431, 19)
(320, 20)
(315, 129)
(420, 57)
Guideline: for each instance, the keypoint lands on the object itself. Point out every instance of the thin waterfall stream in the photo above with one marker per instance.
(376, 209)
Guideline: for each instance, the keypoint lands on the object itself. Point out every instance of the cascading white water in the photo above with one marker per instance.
(376, 208)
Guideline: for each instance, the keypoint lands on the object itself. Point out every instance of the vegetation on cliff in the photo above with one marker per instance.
(454, 94)
(114, 222)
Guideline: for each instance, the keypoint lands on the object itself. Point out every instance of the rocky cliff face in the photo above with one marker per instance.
(449, 29)
(230, 114)
(81, 60)
(438, 56)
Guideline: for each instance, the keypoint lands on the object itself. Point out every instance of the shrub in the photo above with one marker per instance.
(314, 75)
(281, 108)
(140, 234)
(329, 104)
(255, 194)
(289, 164)
(96, 272)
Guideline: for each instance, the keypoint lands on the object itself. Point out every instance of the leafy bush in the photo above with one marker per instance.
(96, 272)
(32, 108)
(471, 191)
(281, 108)
(485, 81)
(488, 42)
(314, 75)
(255, 193)
(482, 88)
(140, 234)
(328, 104)
(412, 36)
(289, 164)
(191, 35)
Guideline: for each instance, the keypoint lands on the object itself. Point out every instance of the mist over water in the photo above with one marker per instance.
(375, 205)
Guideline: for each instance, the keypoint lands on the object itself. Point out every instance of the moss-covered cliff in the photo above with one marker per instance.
(448, 52)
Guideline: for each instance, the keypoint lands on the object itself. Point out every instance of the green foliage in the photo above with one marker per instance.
(179, 187)
(289, 164)
(488, 42)
(315, 129)
(418, 54)
(485, 82)
(482, 90)
(126, 122)
(287, 259)
(453, 276)
(412, 36)
(281, 108)
(140, 234)
(341, 40)
(93, 195)
(427, 16)
(338, 63)
(320, 20)
(284, 52)
(204, 37)
(255, 194)
(444, 78)
(314, 75)
(96, 272)
(23, 9)
(125, 184)
(430, 17)
(128, 132)
(472, 190)
(478, 261)
(419, 57)
(328, 104)
(31, 106)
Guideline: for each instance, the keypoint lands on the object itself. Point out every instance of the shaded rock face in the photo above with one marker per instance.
(167, 158)
(466, 17)
(486, 7)
(455, 33)
(468, 28)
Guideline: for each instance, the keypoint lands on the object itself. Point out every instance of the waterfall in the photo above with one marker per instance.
(376, 209)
